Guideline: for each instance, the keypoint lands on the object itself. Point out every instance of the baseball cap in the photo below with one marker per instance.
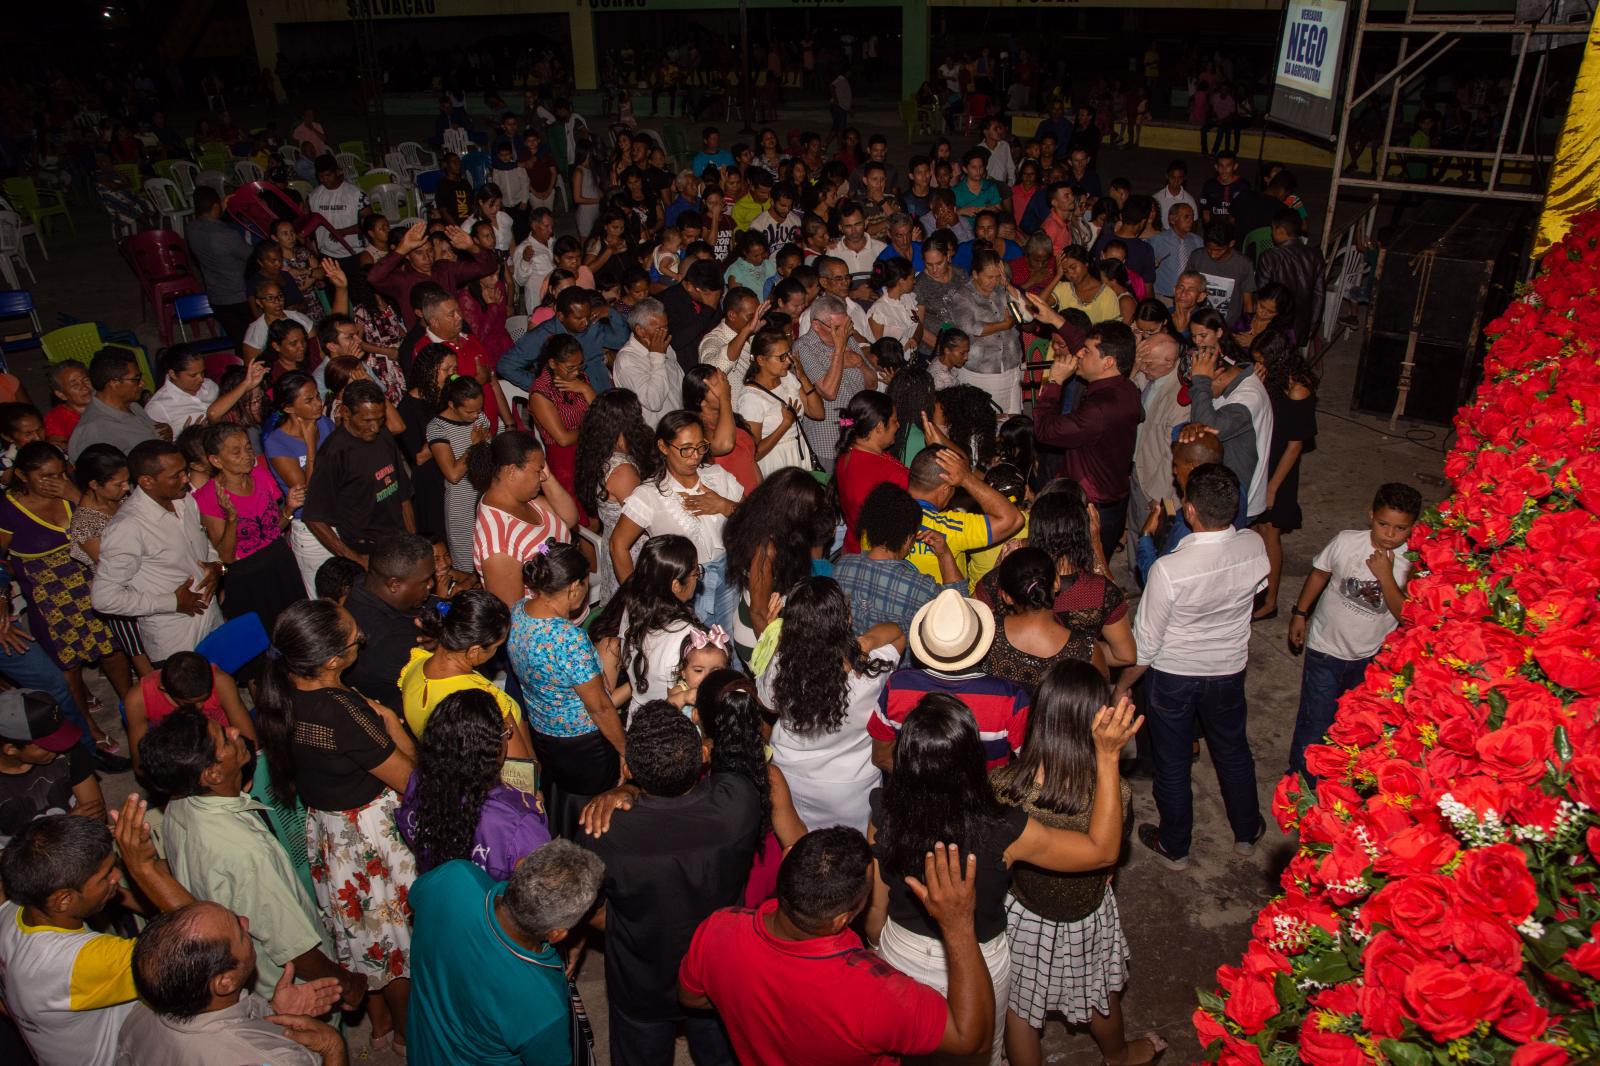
(30, 715)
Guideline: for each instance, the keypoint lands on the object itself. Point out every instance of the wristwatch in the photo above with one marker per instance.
(1298, 613)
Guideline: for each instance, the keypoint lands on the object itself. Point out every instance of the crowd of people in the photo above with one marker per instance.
(762, 606)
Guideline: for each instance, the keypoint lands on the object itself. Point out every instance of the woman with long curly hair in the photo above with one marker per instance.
(1087, 602)
(916, 407)
(643, 627)
(824, 683)
(456, 806)
(433, 366)
(972, 421)
(1068, 954)
(348, 758)
(940, 794)
(616, 450)
(1292, 388)
(774, 539)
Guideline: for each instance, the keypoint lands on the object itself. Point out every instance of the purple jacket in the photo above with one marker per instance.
(510, 826)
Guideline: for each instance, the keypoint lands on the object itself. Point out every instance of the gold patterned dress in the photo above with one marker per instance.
(55, 585)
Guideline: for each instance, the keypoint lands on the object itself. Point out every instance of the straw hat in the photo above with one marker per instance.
(952, 632)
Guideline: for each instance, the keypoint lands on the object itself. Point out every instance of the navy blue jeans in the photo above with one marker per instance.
(1172, 707)
(1323, 681)
(641, 1043)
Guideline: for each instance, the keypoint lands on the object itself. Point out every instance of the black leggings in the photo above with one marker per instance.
(572, 771)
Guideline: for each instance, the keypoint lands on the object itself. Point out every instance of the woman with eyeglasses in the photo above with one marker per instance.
(267, 301)
(776, 395)
(456, 805)
(687, 497)
(348, 758)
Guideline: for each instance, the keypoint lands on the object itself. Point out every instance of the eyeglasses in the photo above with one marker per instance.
(359, 643)
(692, 451)
(509, 731)
(699, 572)
(270, 298)
(834, 277)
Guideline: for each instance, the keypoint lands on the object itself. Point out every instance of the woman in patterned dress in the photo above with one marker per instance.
(348, 759)
(34, 518)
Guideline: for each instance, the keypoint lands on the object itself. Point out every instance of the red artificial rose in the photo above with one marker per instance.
(1206, 1027)
(1523, 1019)
(1321, 1047)
(1568, 656)
(1341, 869)
(1284, 802)
(1380, 1012)
(1252, 1004)
(1414, 907)
(1518, 752)
(1592, 839)
(1586, 780)
(1236, 1052)
(1540, 1054)
(1325, 760)
(1497, 879)
(1262, 961)
(1418, 849)
(1448, 1001)
(1486, 939)
(1398, 779)
(1585, 957)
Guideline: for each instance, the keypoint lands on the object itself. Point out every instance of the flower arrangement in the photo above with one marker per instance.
(1443, 905)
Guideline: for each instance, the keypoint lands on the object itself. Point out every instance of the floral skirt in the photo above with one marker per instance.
(363, 871)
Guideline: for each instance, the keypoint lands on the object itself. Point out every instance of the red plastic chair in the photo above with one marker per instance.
(160, 261)
(260, 205)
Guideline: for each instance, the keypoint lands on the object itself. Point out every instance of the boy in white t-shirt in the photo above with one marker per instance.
(1364, 572)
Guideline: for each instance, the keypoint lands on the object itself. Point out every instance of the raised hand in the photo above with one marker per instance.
(335, 274)
(458, 238)
(132, 833)
(312, 998)
(1114, 726)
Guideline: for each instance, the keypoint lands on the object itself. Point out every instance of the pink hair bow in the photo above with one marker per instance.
(716, 636)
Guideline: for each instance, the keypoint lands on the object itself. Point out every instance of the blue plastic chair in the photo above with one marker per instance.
(196, 307)
(18, 303)
(234, 643)
(476, 166)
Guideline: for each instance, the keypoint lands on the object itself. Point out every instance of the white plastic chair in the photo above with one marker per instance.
(396, 162)
(516, 326)
(599, 546)
(11, 249)
(389, 175)
(214, 179)
(1345, 272)
(24, 230)
(167, 199)
(289, 154)
(301, 186)
(456, 141)
(185, 173)
(392, 199)
(245, 171)
(416, 157)
(351, 164)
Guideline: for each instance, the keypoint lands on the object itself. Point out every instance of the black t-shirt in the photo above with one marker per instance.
(40, 790)
(994, 877)
(454, 197)
(358, 487)
(338, 740)
(391, 635)
(1218, 198)
(669, 864)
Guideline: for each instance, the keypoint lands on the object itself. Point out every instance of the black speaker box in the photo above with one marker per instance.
(1476, 252)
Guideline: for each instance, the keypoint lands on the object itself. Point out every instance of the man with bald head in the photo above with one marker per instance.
(1193, 446)
(1166, 408)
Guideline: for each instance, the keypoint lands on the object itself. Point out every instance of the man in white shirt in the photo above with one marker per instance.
(1173, 192)
(156, 563)
(858, 250)
(726, 345)
(780, 222)
(647, 364)
(833, 278)
(1001, 166)
(188, 398)
(342, 203)
(1193, 633)
(532, 261)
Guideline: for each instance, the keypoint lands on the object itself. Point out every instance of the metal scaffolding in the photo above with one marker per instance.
(1441, 33)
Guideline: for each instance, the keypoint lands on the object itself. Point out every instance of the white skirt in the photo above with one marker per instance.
(1005, 388)
(1067, 967)
(922, 958)
(309, 554)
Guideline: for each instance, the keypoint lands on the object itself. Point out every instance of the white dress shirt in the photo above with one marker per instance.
(655, 377)
(178, 409)
(1001, 166)
(858, 263)
(530, 273)
(1194, 617)
(714, 350)
(146, 552)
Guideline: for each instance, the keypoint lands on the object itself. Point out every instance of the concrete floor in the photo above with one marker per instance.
(1180, 926)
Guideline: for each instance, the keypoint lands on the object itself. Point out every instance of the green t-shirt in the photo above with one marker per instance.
(478, 998)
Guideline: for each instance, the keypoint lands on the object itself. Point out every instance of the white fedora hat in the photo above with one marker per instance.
(952, 632)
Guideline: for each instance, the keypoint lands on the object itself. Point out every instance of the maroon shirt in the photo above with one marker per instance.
(1098, 434)
(394, 276)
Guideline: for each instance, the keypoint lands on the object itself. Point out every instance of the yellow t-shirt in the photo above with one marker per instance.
(1105, 306)
(963, 532)
(981, 562)
(420, 694)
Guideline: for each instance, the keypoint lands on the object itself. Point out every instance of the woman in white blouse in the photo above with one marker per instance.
(776, 393)
(688, 499)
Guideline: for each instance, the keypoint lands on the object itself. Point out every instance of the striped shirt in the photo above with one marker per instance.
(999, 706)
(499, 533)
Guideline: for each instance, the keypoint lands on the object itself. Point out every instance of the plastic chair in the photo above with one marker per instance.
(417, 158)
(215, 158)
(1344, 274)
(351, 164)
(426, 184)
(358, 148)
(165, 196)
(476, 166)
(245, 171)
(516, 326)
(455, 140)
(234, 643)
(261, 204)
(160, 260)
(392, 200)
(289, 154)
(378, 176)
(131, 172)
(212, 179)
(18, 303)
(397, 163)
(79, 343)
(40, 205)
(11, 249)
(184, 175)
(302, 187)
(196, 307)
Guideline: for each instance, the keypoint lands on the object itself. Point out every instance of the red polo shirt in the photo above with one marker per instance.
(825, 1002)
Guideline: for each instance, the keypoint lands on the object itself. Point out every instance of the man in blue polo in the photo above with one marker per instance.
(574, 316)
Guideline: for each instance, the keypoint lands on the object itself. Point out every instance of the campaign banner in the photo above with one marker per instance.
(1306, 81)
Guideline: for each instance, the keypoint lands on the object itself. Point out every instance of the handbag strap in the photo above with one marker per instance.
(799, 425)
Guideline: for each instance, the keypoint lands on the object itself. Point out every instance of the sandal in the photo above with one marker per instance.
(108, 745)
(1153, 1041)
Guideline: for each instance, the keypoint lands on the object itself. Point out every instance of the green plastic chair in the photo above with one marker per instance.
(78, 343)
(216, 158)
(1257, 241)
(131, 172)
(677, 145)
(163, 169)
(355, 148)
(39, 204)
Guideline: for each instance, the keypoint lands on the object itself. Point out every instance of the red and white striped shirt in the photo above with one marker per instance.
(497, 532)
